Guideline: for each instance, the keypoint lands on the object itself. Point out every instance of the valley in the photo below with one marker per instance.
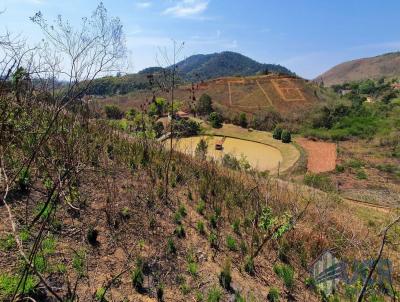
(215, 178)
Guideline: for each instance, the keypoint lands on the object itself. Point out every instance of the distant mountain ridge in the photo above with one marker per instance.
(386, 65)
(227, 63)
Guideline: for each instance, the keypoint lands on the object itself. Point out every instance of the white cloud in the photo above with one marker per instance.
(143, 4)
(187, 8)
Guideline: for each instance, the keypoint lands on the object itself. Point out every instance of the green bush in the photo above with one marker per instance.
(200, 227)
(231, 243)
(277, 134)
(214, 294)
(178, 218)
(138, 276)
(273, 295)
(339, 168)
(215, 119)
(182, 210)
(360, 174)
(160, 293)
(249, 265)
(319, 181)
(201, 206)
(7, 242)
(180, 231)
(193, 268)
(286, 273)
(9, 284)
(225, 277)
(24, 179)
(113, 112)
(214, 221)
(286, 137)
(171, 249)
(100, 294)
(236, 226)
(213, 240)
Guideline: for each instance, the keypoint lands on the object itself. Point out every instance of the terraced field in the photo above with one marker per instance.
(287, 95)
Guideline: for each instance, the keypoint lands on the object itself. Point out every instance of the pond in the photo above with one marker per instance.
(261, 157)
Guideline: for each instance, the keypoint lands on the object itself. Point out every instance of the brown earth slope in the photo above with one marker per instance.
(286, 94)
(387, 65)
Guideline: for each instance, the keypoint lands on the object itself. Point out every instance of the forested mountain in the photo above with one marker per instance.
(205, 67)
(194, 68)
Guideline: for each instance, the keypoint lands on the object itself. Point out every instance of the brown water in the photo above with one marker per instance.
(260, 156)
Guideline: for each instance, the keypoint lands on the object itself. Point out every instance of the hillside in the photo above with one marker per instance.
(115, 229)
(387, 65)
(289, 96)
(205, 67)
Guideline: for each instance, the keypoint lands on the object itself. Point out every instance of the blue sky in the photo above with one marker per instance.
(307, 36)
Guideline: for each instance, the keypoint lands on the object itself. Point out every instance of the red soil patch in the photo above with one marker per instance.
(321, 156)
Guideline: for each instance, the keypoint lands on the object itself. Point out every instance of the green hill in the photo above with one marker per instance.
(205, 67)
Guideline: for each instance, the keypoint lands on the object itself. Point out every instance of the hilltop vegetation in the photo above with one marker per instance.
(205, 67)
(369, 108)
(387, 65)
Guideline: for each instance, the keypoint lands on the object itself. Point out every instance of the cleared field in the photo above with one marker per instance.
(290, 154)
(321, 155)
(260, 156)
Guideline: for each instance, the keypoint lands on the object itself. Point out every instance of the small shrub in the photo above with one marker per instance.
(182, 210)
(231, 243)
(243, 247)
(199, 297)
(273, 295)
(214, 221)
(178, 218)
(125, 213)
(213, 240)
(7, 242)
(225, 277)
(171, 248)
(138, 276)
(339, 168)
(286, 137)
(9, 284)
(185, 288)
(24, 179)
(214, 294)
(249, 265)
(319, 181)
(78, 262)
(355, 163)
(100, 293)
(277, 133)
(286, 273)
(236, 226)
(239, 298)
(200, 227)
(360, 174)
(311, 283)
(193, 268)
(92, 235)
(201, 206)
(160, 292)
(180, 231)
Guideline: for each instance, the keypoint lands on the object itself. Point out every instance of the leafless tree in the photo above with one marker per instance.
(49, 81)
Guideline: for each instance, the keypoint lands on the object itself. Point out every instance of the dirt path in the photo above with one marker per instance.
(368, 205)
(321, 155)
(265, 93)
